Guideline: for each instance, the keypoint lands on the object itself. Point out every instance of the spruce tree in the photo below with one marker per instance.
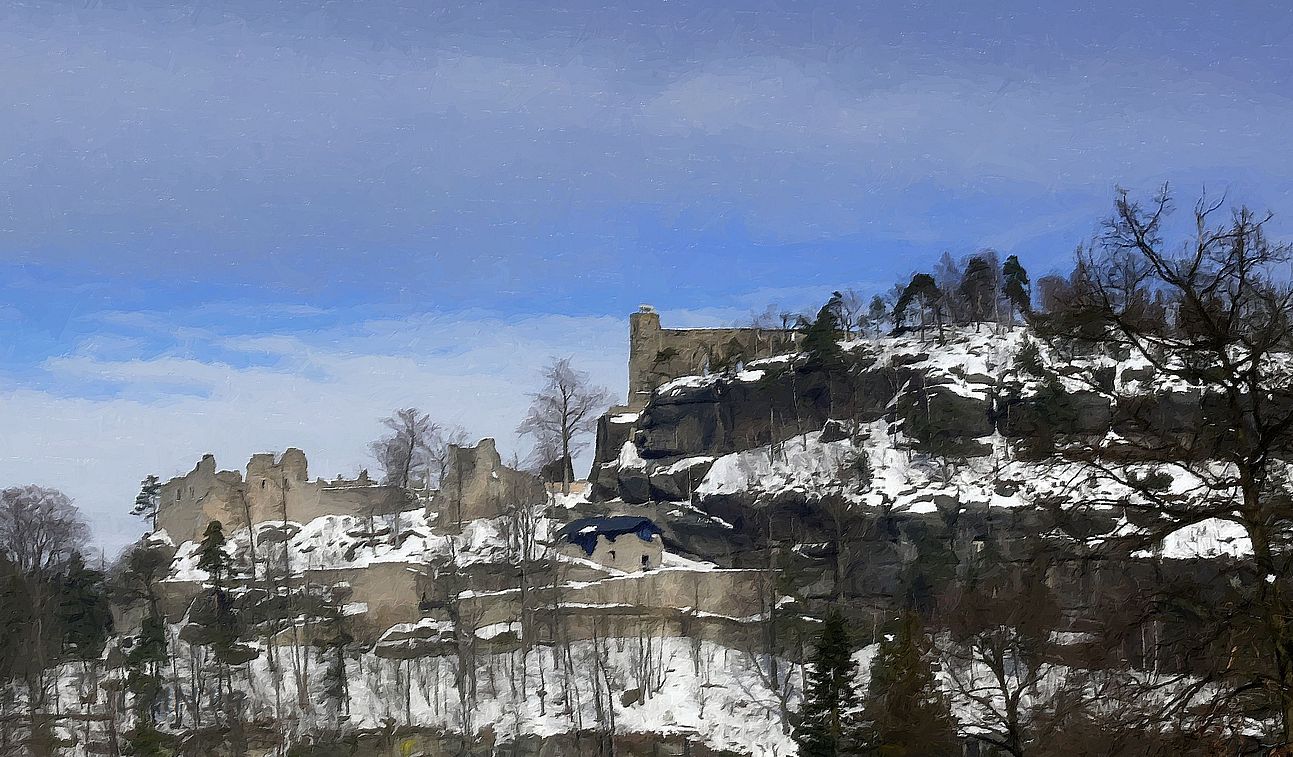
(211, 554)
(905, 714)
(876, 312)
(84, 611)
(1015, 287)
(148, 500)
(821, 337)
(332, 652)
(144, 662)
(978, 289)
(215, 561)
(15, 620)
(923, 292)
(827, 720)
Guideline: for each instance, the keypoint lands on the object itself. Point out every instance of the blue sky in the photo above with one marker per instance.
(234, 226)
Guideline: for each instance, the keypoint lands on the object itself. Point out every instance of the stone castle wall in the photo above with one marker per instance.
(478, 485)
(732, 594)
(658, 355)
(275, 489)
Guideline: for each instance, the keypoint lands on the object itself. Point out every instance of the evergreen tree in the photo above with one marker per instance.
(821, 337)
(144, 661)
(211, 553)
(148, 500)
(332, 652)
(876, 312)
(15, 620)
(827, 727)
(978, 289)
(923, 292)
(84, 611)
(1015, 286)
(905, 714)
(146, 741)
(214, 560)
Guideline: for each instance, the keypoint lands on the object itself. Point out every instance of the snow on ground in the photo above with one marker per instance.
(690, 687)
(629, 458)
(706, 691)
(344, 541)
(797, 463)
(695, 687)
(1209, 538)
(900, 478)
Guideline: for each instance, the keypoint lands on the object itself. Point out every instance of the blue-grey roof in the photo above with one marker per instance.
(584, 532)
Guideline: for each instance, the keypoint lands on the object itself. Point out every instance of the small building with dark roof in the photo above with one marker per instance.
(623, 542)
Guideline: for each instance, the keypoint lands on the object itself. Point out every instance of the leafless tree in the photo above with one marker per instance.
(545, 452)
(39, 529)
(852, 310)
(565, 408)
(1214, 313)
(404, 453)
(440, 455)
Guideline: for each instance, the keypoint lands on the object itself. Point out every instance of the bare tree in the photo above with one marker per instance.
(404, 453)
(440, 455)
(39, 529)
(545, 456)
(566, 408)
(852, 310)
(1215, 314)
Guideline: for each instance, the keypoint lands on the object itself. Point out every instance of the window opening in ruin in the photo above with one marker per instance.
(612, 554)
(646, 561)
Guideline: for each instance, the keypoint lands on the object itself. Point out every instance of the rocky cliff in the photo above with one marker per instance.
(911, 462)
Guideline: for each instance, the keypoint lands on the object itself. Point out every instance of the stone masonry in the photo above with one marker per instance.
(275, 488)
(658, 355)
(478, 485)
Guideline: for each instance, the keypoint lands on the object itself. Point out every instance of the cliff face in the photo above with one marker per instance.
(977, 395)
(911, 464)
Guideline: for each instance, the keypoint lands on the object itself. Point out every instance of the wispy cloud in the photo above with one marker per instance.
(324, 392)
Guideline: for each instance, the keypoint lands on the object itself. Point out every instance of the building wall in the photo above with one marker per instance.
(731, 593)
(658, 355)
(275, 489)
(624, 553)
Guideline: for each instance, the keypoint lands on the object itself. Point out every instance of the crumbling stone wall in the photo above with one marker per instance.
(478, 485)
(382, 593)
(659, 355)
(726, 593)
(275, 488)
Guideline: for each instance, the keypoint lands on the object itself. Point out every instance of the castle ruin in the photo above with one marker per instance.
(658, 355)
(275, 488)
(478, 485)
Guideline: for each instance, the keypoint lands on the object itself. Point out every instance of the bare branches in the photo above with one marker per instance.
(39, 529)
(405, 453)
(563, 410)
(1210, 319)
